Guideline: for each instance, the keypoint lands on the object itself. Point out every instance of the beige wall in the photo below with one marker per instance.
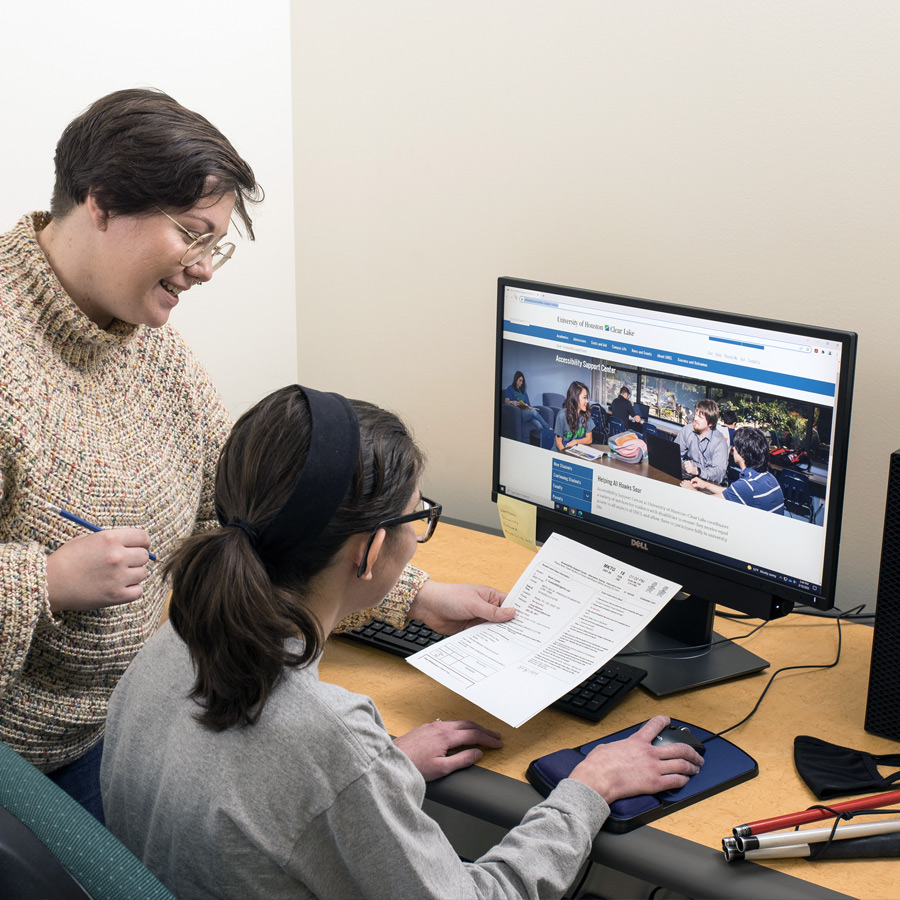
(732, 156)
(726, 155)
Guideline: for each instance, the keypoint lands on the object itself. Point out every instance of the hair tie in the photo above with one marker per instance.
(321, 485)
(246, 527)
(323, 481)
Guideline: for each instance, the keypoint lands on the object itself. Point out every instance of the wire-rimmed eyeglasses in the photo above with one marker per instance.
(202, 246)
(425, 520)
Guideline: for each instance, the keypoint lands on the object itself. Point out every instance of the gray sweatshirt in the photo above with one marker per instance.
(314, 800)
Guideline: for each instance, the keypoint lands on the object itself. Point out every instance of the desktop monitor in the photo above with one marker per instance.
(791, 383)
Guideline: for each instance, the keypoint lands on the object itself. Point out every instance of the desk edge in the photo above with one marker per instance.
(646, 853)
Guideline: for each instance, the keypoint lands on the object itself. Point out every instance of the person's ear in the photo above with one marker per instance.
(372, 557)
(98, 215)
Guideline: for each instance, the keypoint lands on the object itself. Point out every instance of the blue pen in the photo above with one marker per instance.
(78, 520)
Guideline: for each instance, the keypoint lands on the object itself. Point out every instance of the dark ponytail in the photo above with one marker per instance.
(231, 603)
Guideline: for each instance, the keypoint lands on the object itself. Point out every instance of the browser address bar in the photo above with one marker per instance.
(735, 337)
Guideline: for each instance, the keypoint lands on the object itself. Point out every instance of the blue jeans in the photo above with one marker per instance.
(81, 781)
(532, 415)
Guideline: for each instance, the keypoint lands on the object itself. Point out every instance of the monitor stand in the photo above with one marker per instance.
(674, 649)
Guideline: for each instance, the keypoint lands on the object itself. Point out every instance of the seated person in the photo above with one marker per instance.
(727, 424)
(232, 771)
(622, 407)
(574, 423)
(517, 396)
(704, 452)
(757, 487)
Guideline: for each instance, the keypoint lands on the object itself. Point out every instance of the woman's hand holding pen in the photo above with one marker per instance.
(96, 570)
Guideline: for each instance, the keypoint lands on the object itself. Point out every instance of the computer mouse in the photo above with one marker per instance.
(679, 734)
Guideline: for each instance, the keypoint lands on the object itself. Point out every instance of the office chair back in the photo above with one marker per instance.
(600, 418)
(511, 422)
(616, 425)
(555, 400)
(797, 497)
(650, 428)
(28, 871)
(66, 838)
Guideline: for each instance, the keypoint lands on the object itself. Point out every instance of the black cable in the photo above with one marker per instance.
(850, 616)
(821, 847)
(664, 651)
(775, 674)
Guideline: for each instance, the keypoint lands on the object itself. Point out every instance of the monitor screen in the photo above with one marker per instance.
(707, 447)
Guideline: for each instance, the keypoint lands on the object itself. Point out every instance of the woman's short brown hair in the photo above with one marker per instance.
(137, 149)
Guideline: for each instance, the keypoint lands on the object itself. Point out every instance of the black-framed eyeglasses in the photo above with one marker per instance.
(201, 247)
(424, 520)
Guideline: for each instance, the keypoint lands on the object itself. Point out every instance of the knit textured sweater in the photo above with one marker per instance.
(123, 427)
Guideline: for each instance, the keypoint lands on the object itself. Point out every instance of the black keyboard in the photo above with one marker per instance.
(591, 700)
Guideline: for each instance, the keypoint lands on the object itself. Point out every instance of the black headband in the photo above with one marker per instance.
(323, 481)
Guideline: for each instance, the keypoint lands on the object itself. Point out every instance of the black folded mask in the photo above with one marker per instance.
(832, 771)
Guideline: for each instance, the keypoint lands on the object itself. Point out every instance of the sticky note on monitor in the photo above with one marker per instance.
(518, 520)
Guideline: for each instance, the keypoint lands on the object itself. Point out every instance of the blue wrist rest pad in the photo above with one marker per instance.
(724, 766)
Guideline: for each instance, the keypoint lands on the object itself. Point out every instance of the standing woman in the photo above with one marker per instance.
(574, 424)
(232, 771)
(106, 412)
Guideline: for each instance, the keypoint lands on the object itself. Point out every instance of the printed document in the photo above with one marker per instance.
(575, 609)
(585, 452)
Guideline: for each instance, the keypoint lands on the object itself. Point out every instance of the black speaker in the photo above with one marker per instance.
(883, 705)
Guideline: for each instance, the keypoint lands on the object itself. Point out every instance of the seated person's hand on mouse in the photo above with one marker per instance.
(679, 734)
(635, 766)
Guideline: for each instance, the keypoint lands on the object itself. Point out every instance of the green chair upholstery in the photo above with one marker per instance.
(100, 866)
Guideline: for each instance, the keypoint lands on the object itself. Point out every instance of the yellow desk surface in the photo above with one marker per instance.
(828, 704)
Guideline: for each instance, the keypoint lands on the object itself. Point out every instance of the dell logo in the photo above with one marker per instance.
(641, 545)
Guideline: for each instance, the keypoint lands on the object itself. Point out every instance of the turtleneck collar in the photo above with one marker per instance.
(41, 305)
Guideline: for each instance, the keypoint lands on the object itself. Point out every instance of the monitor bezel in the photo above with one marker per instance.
(748, 593)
